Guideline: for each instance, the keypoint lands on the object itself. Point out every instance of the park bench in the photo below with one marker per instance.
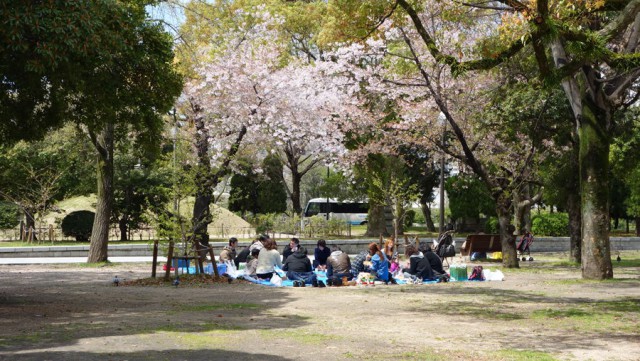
(481, 243)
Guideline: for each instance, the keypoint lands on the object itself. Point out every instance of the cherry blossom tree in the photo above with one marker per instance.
(247, 94)
(589, 48)
(423, 94)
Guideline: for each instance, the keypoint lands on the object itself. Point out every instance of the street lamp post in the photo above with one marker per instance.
(328, 204)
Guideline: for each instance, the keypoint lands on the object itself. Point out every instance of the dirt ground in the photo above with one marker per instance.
(543, 311)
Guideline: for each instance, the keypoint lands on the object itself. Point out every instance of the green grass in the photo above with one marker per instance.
(592, 282)
(298, 336)
(215, 307)
(196, 327)
(214, 336)
(598, 317)
(523, 355)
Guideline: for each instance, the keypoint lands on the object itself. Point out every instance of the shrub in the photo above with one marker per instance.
(9, 215)
(264, 223)
(78, 224)
(409, 218)
(550, 224)
(492, 226)
(419, 218)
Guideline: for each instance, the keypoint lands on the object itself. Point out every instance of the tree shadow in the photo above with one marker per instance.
(44, 314)
(169, 355)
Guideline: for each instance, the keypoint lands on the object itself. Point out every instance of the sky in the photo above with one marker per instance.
(171, 16)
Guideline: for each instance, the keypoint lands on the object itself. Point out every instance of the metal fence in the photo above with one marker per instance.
(51, 234)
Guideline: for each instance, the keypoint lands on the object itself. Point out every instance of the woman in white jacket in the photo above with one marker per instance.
(268, 258)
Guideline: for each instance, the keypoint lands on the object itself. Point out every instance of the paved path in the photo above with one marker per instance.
(46, 260)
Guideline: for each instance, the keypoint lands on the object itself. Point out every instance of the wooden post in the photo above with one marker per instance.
(167, 274)
(155, 259)
(30, 239)
(214, 265)
(199, 258)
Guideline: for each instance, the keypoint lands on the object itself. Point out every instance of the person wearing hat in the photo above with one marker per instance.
(229, 252)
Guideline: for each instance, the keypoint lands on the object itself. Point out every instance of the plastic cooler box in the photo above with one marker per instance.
(222, 268)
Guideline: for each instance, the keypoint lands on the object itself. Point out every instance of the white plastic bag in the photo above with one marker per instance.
(231, 269)
(497, 276)
(276, 280)
(489, 275)
(279, 271)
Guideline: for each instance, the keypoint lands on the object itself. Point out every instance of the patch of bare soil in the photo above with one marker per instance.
(67, 312)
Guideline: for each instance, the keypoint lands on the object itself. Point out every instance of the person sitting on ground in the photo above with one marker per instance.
(357, 265)
(268, 259)
(252, 264)
(320, 255)
(245, 254)
(229, 252)
(290, 248)
(260, 243)
(434, 261)
(379, 263)
(389, 248)
(298, 267)
(419, 266)
(338, 266)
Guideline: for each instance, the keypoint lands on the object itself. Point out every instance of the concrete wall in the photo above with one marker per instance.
(543, 244)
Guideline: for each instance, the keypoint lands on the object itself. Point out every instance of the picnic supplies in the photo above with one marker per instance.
(458, 272)
(365, 278)
(276, 280)
(496, 275)
(476, 274)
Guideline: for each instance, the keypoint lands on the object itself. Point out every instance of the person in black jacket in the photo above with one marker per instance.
(434, 259)
(290, 248)
(419, 265)
(298, 267)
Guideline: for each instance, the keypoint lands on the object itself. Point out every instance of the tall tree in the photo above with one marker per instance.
(47, 51)
(593, 56)
(127, 95)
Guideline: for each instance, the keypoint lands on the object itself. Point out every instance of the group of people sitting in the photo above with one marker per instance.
(262, 258)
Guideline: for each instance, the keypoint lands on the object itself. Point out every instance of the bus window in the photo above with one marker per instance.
(314, 208)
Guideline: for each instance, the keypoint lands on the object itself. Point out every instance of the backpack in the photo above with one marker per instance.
(476, 274)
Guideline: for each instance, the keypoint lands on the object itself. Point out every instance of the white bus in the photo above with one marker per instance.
(351, 212)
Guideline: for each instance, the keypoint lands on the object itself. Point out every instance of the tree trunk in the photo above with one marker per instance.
(572, 188)
(508, 239)
(204, 188)
(122, 224)
(594, 189)
(525, 211)
(296, 179)
(30, 225)
(398, 220)
(376, 224)
(637, 221)
(575, 227)
(426, 212)
(100, 232)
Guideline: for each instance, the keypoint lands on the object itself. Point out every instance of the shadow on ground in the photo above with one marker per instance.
(169, 355)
